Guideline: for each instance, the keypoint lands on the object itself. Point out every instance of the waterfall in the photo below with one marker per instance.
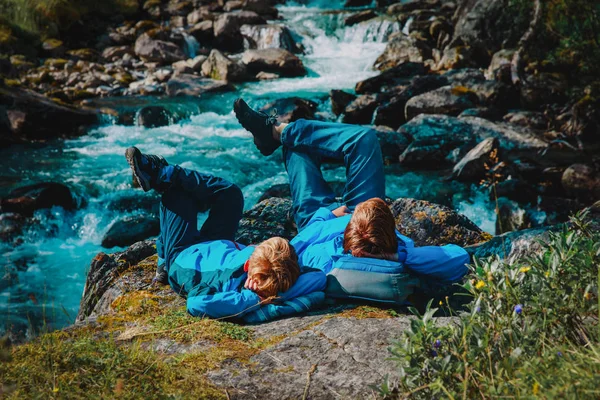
(191, 45)
(406, 29)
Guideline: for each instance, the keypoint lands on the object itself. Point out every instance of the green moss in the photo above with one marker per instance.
(12, 82)
(71, 366)
(56, 62)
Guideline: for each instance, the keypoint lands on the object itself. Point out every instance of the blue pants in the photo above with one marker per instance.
(189, 193)
(307, 143)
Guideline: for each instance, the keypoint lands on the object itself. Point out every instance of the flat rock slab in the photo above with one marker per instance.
(335, 357)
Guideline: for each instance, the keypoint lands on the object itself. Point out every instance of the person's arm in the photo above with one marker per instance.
(311, 281)
(322, 214)
(223, 304)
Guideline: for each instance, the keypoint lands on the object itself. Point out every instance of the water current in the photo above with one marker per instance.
(44, 277)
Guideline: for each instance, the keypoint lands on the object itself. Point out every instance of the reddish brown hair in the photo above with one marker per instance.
(274, 267)
(371, 231)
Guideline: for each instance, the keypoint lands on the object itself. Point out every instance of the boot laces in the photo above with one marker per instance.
(272, 118)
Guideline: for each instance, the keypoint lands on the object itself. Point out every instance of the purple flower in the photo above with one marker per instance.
(519, 308)
(437, 344)
(433, 353)
(559, 353)
(478, 309)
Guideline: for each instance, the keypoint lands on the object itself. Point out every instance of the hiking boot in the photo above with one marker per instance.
(145, 167)
(259, 124)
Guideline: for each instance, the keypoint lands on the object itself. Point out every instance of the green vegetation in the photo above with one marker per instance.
(531, 330)
(569, 36)
(48, 18)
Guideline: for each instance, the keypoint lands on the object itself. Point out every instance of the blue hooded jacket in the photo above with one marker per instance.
(211, 275)
(322, 241)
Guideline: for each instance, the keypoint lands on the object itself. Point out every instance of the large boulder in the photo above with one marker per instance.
(159, 51)
(439, 140)
(269, 36)
(269, 218)
(219, 67)
(401, 49)
(129, 230)
(292, 108)
(28, 116)
(361, 109)
(227, 28)
(340, 100)
(154, 116)
(445, 100)
(27, 199)
(273, 60)
(100, 289)
(203, 32)
(359, 17)
(391, 77)
(472, 167)
(582, 181)
(430, 224)
(392, 112)
(192, 85)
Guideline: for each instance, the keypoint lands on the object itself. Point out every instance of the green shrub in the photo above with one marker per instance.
(531, 330)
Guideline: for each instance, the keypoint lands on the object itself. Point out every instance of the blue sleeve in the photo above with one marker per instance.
(322, 214)
(223, 304)
(445, 264)
(294, 306)
(308, 282)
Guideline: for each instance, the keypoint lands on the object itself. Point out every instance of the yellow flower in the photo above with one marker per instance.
(587, 296)
(547, 274)
(480, 285)
(536, 388)
(441, 304)
(524, 269)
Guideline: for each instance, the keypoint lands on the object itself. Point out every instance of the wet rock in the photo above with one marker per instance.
(459, 57)
(392, 112)
(218, 67)
(511, 217)
(292, 109)
(264, 76)
(465, 77)
(227, 28)
(129, 230)
(269, 36)
(273, 60)
(340, 100)
(517, 190)
(262, 7)
(401, 49)
(390, 77)
(582, 181)
(499, 95)
(11, 226)
(116, 52)
(27, 199)
(500, 66)
(267, 219)
(158, 51)
(100, 289)
(471, 168)
(154, 116)
(53, 47)
(489, 113)
(35, 117)
(445, 100)
(392, 143)
(360, 110)
(529, 119)
(412, 5)
(430, 224)
(203, 32)
(233, 5)
(191, 85)
(441, 140)
(359, 17)
(543, 88)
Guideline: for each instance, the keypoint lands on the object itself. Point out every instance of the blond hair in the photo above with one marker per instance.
(274, 266)
(371, 231)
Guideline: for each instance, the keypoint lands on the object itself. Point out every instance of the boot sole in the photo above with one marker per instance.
(132, 155)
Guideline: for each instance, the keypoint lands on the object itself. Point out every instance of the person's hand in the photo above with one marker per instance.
(252, 284)
(341, 211)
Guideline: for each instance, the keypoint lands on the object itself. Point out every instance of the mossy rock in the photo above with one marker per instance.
(52, 44)
(21, 63)
(56, 62)
(84, 54)
(6, 35)
(124, 78)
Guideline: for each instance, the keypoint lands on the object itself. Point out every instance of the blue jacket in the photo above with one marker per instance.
(322, 241)
(211, 275)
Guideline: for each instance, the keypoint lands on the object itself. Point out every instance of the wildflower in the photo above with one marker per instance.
(433, 353)
(559, 353)
(547, 274)
(441, 304)
(437, 344)
(478, 309)
(480, 285)
(525, 269)
(587, 296)
(519, 308)
(536, 388)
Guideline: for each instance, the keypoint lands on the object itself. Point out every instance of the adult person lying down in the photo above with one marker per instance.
(219, 277)
(355, 241)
